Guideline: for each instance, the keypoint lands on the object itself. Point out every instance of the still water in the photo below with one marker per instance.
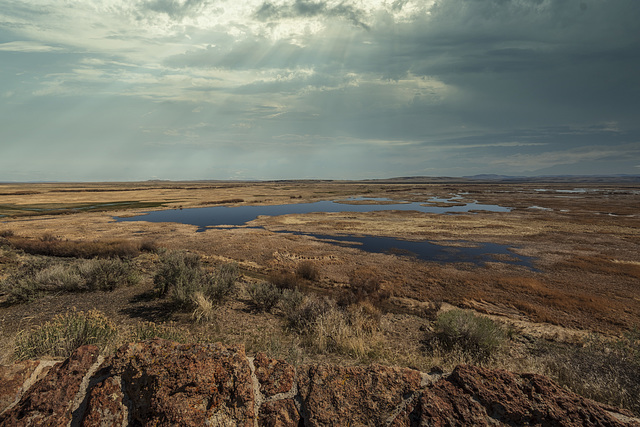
(235, 216)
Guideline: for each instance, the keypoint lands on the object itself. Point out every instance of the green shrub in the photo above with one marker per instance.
(224, 282)
(477, 336)
(59, 276)
(181, 276)
(108, 274)
(22, 286)
(264, 295)
(177, 268)
(66, 332)
(41, 276)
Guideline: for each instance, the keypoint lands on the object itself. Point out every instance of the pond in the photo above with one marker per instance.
(236, 216)
(475, 253)
(216, 216)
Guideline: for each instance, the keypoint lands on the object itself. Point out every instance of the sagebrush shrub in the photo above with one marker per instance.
(109, 274)
(177, 268)
(264, 295)
(181, 276)
(477, 336)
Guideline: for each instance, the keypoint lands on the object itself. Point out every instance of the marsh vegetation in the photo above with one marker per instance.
(303, 299)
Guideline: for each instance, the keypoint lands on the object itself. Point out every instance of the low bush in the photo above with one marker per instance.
(479, 337)
(181, 276)
(177, 268)
(284, 280)
(59, 276)
(264, 295)
(43, 276)
(290, 301)
(365, 284)
(225, 276)
(109, 274)
(22, 285)
(307, 270)
(301, 317)
(66, 332)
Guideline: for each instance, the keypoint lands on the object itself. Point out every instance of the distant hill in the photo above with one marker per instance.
(569, 179)
(621, 178)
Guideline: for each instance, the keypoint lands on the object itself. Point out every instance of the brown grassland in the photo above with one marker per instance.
(303, 299)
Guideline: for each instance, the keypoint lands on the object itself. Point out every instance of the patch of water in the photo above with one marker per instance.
(478, 254)
(233, 217)
(240, 215)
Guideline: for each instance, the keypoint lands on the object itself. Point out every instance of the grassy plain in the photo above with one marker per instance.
(584, 289)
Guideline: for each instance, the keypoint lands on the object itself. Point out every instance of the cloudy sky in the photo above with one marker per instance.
(228, 89)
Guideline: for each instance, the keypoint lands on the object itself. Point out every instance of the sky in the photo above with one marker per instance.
(127, 90)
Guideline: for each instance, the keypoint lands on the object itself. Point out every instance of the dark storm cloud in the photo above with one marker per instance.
(399, 87)
(305, 9)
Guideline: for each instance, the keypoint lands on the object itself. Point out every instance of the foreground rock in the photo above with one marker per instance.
(160, 382)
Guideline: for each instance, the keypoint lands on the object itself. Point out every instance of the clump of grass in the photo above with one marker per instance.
(327, 327)
(307, 270)
(477, 337)
(150, 330)
(204, 310)
(66, 332)
(351, 331)
(264, 295)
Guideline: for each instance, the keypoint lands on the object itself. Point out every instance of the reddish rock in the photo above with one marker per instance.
(280, 413)
(190, 385)
(12, 378)
(105, 405)
(274, 375)
(358, 395)
(163, 383)
(474, 395)
(49, 402)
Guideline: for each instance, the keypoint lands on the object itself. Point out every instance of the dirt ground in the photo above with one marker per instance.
(585, 244)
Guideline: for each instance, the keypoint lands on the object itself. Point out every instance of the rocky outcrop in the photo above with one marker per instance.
(164, 383)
